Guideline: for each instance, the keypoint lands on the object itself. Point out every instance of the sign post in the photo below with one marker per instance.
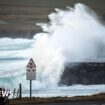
(30, 89)
(31, 73)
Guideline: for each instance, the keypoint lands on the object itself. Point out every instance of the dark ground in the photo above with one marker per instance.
(75, 103)
(18, 17)
(98, 99)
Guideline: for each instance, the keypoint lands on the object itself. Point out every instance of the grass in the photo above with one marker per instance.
(37, 100)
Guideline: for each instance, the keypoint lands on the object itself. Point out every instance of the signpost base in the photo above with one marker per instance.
(30, 89)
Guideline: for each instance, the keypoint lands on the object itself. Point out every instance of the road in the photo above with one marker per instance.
(75, 103)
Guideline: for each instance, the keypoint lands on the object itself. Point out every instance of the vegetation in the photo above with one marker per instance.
(37, 100)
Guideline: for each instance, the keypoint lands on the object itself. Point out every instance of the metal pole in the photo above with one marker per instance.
(20, 91)
(30, 89)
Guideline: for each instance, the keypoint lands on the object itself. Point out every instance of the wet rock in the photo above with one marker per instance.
(84, 73)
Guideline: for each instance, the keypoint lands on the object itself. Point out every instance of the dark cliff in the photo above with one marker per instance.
(18, 17)
(84, 73)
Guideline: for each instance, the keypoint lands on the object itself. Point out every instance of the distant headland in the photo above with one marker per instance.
(18, 18)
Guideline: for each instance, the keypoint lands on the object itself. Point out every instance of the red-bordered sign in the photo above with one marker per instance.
(31, 63)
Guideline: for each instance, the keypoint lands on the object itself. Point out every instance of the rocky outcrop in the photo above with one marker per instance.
(84, 73)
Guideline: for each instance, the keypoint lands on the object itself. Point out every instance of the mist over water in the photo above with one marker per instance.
(72, 35)
(77, 33)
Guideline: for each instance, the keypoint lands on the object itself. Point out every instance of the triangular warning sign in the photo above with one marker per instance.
(31, 63)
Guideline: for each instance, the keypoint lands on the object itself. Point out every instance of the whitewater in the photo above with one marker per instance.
(72, 35)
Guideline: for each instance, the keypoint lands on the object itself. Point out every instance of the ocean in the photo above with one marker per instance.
(72, 35)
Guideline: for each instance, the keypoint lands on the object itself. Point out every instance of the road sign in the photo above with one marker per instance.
(31, 70)
(31, 73)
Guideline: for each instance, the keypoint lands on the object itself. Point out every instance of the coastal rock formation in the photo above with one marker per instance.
(84, 73)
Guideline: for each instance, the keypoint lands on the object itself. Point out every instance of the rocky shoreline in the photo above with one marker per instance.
(86, 73)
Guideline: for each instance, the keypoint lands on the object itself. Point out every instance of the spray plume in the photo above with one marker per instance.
(72, 35)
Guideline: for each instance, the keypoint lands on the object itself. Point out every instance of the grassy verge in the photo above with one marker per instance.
(37, 100)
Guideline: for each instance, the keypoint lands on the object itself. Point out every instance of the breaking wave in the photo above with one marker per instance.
(72, 35)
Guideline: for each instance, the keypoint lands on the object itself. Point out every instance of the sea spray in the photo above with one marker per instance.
(72, 35)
